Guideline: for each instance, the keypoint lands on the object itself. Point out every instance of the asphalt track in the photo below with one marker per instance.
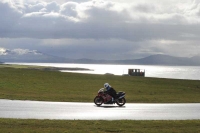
(89, 111)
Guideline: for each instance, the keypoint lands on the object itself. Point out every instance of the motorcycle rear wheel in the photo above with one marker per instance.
(98, 101)
(121, 102)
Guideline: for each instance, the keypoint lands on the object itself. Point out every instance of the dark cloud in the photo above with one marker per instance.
(9, 16)
(100, 29)
(94, 20)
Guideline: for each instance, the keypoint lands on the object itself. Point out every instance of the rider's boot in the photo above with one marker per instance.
(113, 99)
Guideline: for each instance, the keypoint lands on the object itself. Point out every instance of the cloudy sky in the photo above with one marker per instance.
(101, 29)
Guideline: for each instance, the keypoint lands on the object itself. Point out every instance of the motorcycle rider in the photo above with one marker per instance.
(110, 90)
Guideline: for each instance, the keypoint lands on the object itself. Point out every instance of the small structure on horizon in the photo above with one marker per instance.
(136, 72)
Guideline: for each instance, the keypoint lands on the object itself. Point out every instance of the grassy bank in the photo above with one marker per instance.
(31, 84)
(124, 126)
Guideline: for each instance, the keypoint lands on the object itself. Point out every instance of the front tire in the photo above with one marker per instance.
(98, 101)
(121, 102)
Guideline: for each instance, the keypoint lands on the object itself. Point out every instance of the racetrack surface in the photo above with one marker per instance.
(89, 111)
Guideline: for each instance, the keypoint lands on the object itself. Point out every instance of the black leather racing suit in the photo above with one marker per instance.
(111, 91)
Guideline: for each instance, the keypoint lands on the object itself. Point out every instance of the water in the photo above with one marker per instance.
(173, 72)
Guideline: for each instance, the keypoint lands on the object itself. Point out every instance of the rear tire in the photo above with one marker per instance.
(98, 100)
(121, 102)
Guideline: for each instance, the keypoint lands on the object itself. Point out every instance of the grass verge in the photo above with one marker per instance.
(122, 126)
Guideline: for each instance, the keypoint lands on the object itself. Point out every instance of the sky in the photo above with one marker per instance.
(101, 29)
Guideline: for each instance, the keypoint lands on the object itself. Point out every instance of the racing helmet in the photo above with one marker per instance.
(106, 85)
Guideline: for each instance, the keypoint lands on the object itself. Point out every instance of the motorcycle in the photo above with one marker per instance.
(105, 98)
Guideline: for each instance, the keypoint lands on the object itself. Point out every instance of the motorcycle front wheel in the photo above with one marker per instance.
(98, 101)
(121, 102)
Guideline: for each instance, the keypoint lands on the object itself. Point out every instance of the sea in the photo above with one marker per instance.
(171, 72)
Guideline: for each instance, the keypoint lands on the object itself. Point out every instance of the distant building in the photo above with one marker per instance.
(136, 72)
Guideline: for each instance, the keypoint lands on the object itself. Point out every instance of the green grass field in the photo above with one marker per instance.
(20, 83)
(123, 126)
(27, 83)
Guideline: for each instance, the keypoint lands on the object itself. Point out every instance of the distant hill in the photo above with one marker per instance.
(30, 56)
(167, 60)
(39, 57)
(150, 60)
(170, 60)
